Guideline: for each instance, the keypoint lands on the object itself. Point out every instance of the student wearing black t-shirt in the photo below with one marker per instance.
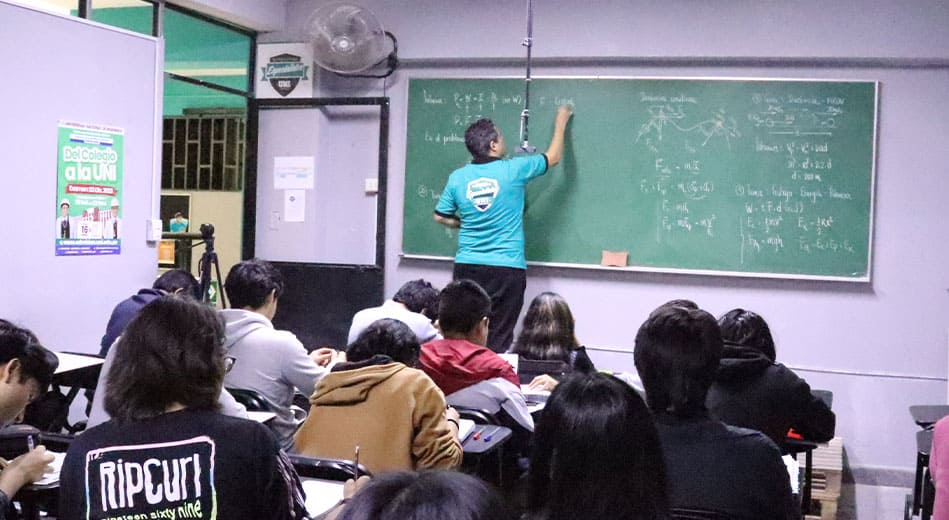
(167, 453)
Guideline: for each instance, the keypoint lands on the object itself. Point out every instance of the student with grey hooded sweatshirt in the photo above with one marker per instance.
(271, 362)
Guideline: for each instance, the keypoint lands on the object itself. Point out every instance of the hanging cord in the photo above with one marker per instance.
(525, 114)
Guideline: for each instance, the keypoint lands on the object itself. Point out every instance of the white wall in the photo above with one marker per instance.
(67, 300)
(624, 28)
(880, 347)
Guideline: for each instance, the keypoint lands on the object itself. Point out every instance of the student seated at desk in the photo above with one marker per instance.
(167, 449)
(174, 282)
(96, 409)
(377, 401)
(26, 368)
(709, 465)
(596, 454)
(547, 334)
(270, 361)
(752, 391)
(415, 304)
(471, 375)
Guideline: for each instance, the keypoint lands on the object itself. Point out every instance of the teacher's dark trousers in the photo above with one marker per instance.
(506, 287)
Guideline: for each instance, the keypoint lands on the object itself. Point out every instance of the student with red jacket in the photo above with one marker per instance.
(471, 375)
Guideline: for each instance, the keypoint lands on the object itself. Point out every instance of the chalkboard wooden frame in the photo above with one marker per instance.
(539, 137)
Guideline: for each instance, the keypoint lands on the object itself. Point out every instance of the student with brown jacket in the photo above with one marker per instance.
(375, 400)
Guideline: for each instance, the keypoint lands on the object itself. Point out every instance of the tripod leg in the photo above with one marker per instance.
(204, 266)
(220, 284)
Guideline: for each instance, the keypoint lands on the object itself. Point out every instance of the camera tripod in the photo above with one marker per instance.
(208, 258)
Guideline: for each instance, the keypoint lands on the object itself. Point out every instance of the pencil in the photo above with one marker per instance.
(356, 465)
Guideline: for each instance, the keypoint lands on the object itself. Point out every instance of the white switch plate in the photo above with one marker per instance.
(372, 185)
(274, 219)
(153, 229)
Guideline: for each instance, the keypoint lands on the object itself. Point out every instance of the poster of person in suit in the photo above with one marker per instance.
(63, 223)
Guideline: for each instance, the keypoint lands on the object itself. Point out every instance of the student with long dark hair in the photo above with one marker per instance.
(547, 334)
(596, 454)
(167, 450)
(710, 466)
(752, 390)
(426, 495)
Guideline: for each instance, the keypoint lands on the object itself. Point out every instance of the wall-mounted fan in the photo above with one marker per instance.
(348, 40)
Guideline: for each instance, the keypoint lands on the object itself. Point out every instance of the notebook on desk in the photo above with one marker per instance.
(465, 427)
(321, 495)
(536, 399)
(534, 396)
(53, 476)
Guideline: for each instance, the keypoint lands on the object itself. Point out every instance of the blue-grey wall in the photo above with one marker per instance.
(881, 346)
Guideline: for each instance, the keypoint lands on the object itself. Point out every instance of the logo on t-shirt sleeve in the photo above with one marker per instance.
(168, 480)
(482, 192)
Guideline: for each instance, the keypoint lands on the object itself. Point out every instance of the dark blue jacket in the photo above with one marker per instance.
(123, 314)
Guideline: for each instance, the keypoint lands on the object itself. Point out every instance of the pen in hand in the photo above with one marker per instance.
(356, 465)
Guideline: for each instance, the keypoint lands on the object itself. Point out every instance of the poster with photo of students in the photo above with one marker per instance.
(89, 189)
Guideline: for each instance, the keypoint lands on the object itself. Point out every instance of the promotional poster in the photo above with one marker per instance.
(89, 189)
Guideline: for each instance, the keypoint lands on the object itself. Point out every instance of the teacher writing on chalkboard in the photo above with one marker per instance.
(486, 200)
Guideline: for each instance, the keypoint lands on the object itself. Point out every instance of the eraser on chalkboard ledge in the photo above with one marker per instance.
(614, 258)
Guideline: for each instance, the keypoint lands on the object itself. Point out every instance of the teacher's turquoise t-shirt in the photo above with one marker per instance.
(489, 199)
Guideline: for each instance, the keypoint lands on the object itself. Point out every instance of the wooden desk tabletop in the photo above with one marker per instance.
(926, 415)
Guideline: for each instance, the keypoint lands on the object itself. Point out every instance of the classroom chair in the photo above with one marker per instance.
(923, 490)
(255, 402)
(251, 399)
(478, 416)
(326, 468)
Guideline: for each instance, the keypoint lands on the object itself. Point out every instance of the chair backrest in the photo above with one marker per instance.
(528, 369)
(251, 399)
(478, 416)
(681, 513)
(325, 468)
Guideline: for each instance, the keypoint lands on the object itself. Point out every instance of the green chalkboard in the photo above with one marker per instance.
(714, 176)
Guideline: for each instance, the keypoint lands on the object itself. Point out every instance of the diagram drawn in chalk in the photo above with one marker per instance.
(717, 126)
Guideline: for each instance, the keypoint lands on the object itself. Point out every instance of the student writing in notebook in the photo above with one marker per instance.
(26, 368)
